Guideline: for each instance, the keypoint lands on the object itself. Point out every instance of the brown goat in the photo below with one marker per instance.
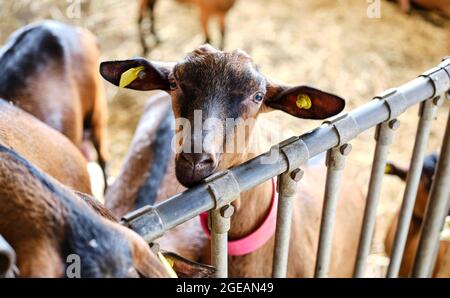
(46, 223)
(224, 85)
(50, 70)
(53, 223)
(440, 6)
(417, 218)
(207, 8)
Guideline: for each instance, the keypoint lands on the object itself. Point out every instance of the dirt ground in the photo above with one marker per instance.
(331, 44)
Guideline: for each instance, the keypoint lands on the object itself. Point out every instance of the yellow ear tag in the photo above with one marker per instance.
(445, 235)
(129, 76)
(168, 264)
(387, 169)
(303, 102)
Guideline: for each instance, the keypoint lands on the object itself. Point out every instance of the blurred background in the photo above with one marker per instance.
(353, 48)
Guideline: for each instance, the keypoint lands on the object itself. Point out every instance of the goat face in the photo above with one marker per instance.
(218, 96)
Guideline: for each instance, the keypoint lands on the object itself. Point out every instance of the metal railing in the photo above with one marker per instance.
(219, 190)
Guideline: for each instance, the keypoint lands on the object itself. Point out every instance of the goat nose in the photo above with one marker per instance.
(198, 159)
(191, 168)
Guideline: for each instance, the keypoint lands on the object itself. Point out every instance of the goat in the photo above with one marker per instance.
(440, 6)
(417, 218)
(225, 85)
(147, 6)
(46, 224)
(207, 9)
(50, 70)
(52, 224)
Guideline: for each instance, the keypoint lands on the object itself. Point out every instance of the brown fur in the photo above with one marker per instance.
(34, 220)
(445, 268)
(412, 243)
(414, 230)
(121, 195)
(43, 146)
(67, 92)
(441, 6)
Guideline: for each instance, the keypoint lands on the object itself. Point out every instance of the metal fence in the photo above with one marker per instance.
(219, 190)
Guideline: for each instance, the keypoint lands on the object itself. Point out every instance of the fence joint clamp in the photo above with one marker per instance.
(345, 126)
(224, 188)
(295, 151)
(440, 77)
(145, 221)
(395, 102)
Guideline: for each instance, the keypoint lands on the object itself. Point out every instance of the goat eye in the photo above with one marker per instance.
(259, 97)
(173, 85)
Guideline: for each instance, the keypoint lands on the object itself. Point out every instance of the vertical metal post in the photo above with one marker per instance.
(220, 225)
(427, 115)
(335, 163)
(384, 136)
(287, 187)
(437, 208)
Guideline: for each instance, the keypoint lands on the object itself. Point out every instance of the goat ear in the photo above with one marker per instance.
(148, 76)
(303, 101)
(189, 269)
(392, 169)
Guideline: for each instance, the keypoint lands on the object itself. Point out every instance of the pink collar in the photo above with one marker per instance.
(257, 238)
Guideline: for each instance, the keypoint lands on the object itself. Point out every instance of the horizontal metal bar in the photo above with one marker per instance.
(198, 199)
(287, 188)
(436, 210)
(412, 185)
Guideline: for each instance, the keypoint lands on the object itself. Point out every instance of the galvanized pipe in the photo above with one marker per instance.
(437, 208)
(220, 225)
(7, 258)
(427, 115)
(287, 188)
(152, 221)
(384, 136)
(335, 164)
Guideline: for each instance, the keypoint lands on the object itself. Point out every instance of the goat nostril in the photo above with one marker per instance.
(198, 160)
(185, 158)
(206, 160)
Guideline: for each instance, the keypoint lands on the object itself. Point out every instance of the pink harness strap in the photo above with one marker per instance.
(257, 238)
